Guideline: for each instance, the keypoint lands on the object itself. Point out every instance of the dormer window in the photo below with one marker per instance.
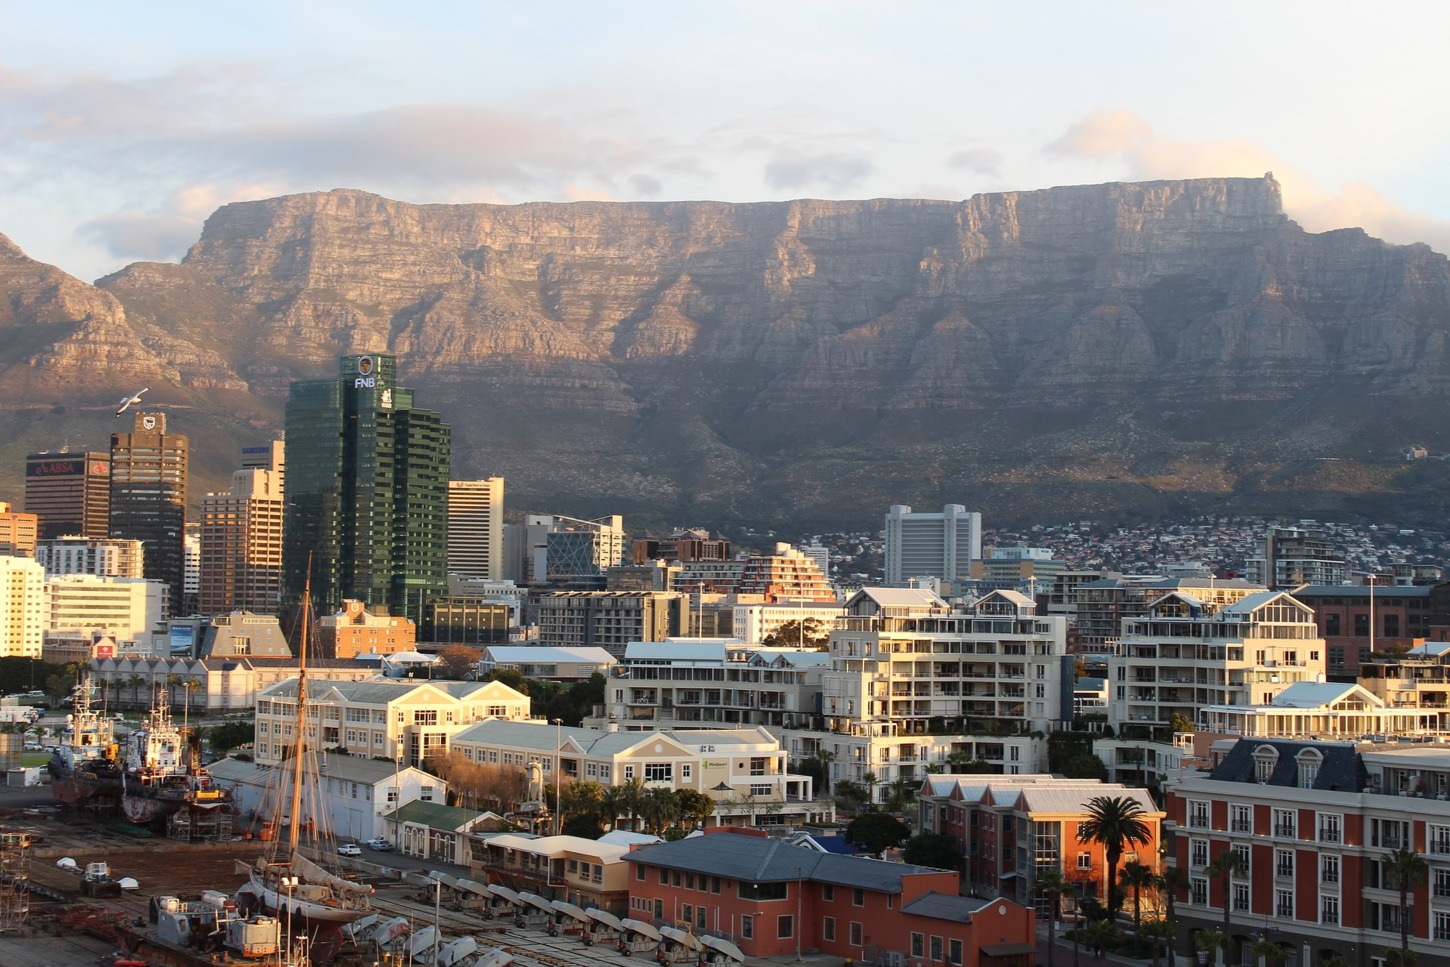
(1266, 757)
(1309, 762)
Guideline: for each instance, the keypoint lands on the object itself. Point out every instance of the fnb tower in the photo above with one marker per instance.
(367, 491)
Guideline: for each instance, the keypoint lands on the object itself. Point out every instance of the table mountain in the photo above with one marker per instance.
(1102, 351)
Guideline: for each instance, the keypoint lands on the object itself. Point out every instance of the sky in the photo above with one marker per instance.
(124, 125)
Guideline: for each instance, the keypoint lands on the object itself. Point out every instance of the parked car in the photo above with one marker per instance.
(349, 849)
(380, 844)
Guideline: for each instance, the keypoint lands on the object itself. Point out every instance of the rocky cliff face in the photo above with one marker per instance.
(1067, 352)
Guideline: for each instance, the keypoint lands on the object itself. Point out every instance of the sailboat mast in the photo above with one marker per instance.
(301, 743)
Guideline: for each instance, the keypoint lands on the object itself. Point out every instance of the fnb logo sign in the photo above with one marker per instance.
(365, 378)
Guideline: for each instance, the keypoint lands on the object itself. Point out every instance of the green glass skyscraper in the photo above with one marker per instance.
(367, 491)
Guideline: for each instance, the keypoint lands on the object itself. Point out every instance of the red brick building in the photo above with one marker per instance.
(774, 899)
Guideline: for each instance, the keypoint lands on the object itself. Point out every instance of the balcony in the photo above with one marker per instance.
(1285, 830)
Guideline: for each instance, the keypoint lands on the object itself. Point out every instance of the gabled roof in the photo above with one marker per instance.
(758, 860)
(600, 744)
(435, 815)
(915, 598)
(1320, 694)
(1252, 602)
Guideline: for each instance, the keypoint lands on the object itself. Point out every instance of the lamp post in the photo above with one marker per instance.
(1077, 927)
(397, 793)
(289, 882)
(437, 902)
(558, 774)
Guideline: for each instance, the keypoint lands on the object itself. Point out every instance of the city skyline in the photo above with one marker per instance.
(120, 139)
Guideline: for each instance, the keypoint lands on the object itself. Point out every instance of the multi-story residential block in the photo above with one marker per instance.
(937, 545)
(786, 575)
(148, 498)
(772, 899)
(492, 592)
(754, 622)
(22, 607)
(1031, 570)
(1293, 556)
(553, 664)
(1313, 825)
(1355, 621)
(359, 630)
(914, 684)
(1418, 681)
(241, 545)
(382, 718)
(18, 531)
(1011, 829)
(688, 683)
(91, 555)
(229, 684)
(743, 770)
(711, 577)
(1210, 646)
(1105, 606)
(1335, 711)
(475, 528)
(367, 491)
(126, 608)
(70, 493)
(607, 619)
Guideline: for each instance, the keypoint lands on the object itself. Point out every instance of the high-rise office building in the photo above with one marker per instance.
(475, 528)
(366, 491)
(941, 545)
(241, 545)
(70, 493)
(148, 497)
(271, 455)
(104, 558)
(17, 531)
(22, 607)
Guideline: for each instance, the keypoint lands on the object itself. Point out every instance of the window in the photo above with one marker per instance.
(828, 892)
(747, 927)
(828, 928)
(1309, 761)
(936, 948)
(659, 772)
(689, 882)
(1241, 896)
(858, 898)
(760, 790)
(784, 927)
(1284, 904)
(1328, 868)
(1442, 883)
(1329, 909)
(1198, 853)
(1084, 830)
(918, 945)
(664, 877)
(1084, 861)
(687, 912)
(1241, 819)
(1198, 891)
(1438, 840)
(1329, 827)
(954, 951)
(638, 870)
(425, 716)
(685, 771)
(855, 933)
(1286, 822)
(1442, 925)
(1284, 862)
(1198, 815)
(1242, 851)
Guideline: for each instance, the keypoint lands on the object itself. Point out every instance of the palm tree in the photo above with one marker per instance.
(1052, 884)
(1398, 957)
(1137, 876)
(1114, 822)
(172, 681)
(632, 795)
(136, 681)
(868, 779)
(1157, 931)
(825, 757)
(1404, 868)
(659, 809)
(1272, 954)
(1332, 960)
(1226, 866)
(612, 804)
(901, 793)
(1171, 881)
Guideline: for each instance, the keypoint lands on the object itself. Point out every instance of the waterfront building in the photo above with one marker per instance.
(366, 491)
(607, 619)
(785, 575)
(126, 608)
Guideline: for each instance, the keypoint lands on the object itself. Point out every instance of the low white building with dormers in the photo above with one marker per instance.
(382, 718)
(744, 770)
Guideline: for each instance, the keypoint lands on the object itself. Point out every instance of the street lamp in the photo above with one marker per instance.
(437, 902)
(558, 774)
(289, 882)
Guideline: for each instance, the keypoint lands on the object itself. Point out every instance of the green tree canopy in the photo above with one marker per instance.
(1085, 765)
(937, 850)
(231, 734)
(874, 832)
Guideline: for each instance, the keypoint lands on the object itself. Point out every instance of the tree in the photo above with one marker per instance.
(231, 734)
(1226, 866)
(1273, 955)
(1100, 936)
(136, 681)
(1052, 884)
(1156, 932)
(1114, 822)
(511, 677)
(695, 808)
(1210, 941)
(580, 798)
(1397, 957)
(1085, 765)
(874, 832)
(459, 661)
(798, 634)
(1138, 877)
(631, 800)
(1181, 723)
(900, 793)
(1405, 869)
(659, 809)
(936, 850)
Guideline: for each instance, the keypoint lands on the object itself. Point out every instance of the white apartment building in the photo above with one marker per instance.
(475, 528)
(914, 685)
(22, 607)
(1325, 710)
(125, 608)
(753, 622)
(939, 545)
(1211, 646)
(743, 770)
(694, 683)
(109, 558)
(390, 718)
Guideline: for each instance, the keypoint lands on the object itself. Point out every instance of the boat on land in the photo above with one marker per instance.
(84, 768)
(163, 783)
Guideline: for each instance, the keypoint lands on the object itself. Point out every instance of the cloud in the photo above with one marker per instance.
(837, 172)
(132, 236)
(645, 186)
(982, 161)
(1122, 134)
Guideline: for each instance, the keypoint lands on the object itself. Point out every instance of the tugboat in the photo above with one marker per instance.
(161, 785)
(83, 770)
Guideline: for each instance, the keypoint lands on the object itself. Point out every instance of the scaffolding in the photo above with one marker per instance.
(14, 881)
(195, 825)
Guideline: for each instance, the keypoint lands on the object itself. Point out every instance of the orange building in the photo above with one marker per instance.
(357, 631)
(18, 532)
(774, 899)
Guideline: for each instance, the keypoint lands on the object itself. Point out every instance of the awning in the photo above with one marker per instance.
(640, 927)
(537, 902)
(1007, 949)
(604, 918)
(505, 894)
(722, 946)
(570, 910)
